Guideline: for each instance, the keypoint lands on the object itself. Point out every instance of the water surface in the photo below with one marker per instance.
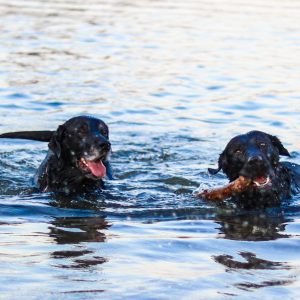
(174, 80)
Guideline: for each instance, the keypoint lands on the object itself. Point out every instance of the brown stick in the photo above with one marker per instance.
(222, 193)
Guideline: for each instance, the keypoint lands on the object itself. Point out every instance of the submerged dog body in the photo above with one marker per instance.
(77, 158)
(255, 155)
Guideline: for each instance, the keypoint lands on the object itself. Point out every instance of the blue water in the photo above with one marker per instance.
(174, 80)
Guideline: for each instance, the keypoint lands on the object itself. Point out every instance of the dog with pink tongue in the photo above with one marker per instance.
(78, 155)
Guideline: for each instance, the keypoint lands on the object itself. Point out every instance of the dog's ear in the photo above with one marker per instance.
(55, 142)
(277, 143)
(221, 163)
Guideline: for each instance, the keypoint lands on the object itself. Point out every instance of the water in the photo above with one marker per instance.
(174, 80)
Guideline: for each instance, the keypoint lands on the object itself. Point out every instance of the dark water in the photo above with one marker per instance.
(175, 80)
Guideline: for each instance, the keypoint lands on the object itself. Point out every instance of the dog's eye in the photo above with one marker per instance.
(262, 145)
(83, 129)
(238, 151)
(104, 131)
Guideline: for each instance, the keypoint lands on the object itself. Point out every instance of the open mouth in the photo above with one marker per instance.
(95, 167)
(261, 181)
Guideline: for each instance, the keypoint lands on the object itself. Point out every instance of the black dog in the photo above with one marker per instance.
(78, 154)
(255, 155)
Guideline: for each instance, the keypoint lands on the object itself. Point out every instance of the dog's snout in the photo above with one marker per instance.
(253, 160)
(106, 145)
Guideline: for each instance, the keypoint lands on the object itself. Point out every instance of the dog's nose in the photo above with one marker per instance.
(253, 160)
(104, 145)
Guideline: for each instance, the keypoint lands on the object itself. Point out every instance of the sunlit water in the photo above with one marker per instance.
(174, 80)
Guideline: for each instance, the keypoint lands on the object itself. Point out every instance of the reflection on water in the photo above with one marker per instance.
(253, 227)
(174, 81)
(78, 231)
(86, 230)
(250, 263)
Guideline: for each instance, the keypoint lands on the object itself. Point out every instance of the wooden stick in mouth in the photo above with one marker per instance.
(219, 194)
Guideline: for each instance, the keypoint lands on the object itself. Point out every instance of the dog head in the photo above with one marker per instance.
(83, 142)
(254, 155)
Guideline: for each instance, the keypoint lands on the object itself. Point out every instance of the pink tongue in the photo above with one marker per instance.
(97, 168)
